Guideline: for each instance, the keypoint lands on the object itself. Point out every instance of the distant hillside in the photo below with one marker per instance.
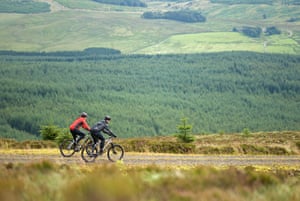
(149, 95)
(60, 25)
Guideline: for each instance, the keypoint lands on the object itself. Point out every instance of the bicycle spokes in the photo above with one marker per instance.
(115, 152)
(67, 148)
(89, 152)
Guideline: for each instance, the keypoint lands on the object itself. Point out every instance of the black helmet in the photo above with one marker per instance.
(84, 114)
(107, 117)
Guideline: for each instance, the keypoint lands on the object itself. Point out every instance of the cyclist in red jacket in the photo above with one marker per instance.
(77, 124)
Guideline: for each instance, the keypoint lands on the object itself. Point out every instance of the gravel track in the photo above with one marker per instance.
(161, 159)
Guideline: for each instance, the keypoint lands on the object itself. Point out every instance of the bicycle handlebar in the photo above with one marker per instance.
(110, 135)
(113, 135)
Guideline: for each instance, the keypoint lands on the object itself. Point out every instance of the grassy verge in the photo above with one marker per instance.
(48, 181)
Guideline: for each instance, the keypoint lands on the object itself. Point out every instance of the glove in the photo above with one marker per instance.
(113, 135)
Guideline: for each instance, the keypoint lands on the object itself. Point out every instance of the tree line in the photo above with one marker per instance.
(86, 52)
(132, 3)
(148, 95)
(182, 15)
(231, 2)
(255, 32)
(23, 6)
(268, 2)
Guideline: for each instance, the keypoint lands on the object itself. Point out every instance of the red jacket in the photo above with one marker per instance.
(79, 122)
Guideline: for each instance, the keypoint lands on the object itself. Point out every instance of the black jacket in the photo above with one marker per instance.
(101, 126)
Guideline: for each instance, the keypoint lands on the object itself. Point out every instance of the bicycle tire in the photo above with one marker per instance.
(115, 153)
(66, 148)
(89, 153)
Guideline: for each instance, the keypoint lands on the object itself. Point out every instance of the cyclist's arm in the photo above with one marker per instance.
(85, 126)
(109, 132)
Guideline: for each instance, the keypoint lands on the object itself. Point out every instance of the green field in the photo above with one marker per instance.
(222, 41)
(76, 25)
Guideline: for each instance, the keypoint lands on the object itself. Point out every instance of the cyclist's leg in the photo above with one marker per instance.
(100, 136)
(95, 138)
(80, 135)
(95, 141)
(73, 132)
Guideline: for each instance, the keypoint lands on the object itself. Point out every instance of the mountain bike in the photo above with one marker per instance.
(68, 147)
(91, 151)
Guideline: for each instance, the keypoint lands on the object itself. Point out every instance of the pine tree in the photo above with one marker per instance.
(185, 131)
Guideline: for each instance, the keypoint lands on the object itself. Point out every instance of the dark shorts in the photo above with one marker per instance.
(97, 136)
(77, 132)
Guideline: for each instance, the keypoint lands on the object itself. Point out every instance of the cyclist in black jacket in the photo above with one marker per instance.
(101, 126)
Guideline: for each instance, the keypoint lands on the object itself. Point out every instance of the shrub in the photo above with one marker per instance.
(277, 150)
(171, 147)
(227, 150)
(136, 145)
(7, 143)
(185, 132)
(246, 132)
(252, 149)
(49, 132)
(298, 144)
(63, 134)
(253, 32)
(272, 30)
(209, 150)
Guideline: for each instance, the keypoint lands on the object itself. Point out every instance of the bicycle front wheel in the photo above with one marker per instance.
(66, 148)
(89, 152)
(115, 153)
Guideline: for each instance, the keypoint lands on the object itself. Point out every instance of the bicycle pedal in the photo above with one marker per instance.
(77, 148)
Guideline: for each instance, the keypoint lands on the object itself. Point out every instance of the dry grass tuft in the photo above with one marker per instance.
(116, 182)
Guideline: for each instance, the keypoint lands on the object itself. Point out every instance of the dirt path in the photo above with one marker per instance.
(161, 159)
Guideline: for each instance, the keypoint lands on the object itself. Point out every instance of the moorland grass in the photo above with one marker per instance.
(261, 143)
(48, 181)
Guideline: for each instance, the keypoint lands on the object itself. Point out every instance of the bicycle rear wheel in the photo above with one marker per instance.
(89, 152)
(66, 148)
(115, 153)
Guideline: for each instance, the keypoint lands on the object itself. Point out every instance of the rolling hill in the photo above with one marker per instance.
(80, 24)
(224, 74)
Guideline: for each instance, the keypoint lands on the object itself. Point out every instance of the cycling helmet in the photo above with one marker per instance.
(84, 114)
(107, 117)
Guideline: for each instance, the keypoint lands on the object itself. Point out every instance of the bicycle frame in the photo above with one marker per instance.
(113, 151)
(108, 141)
(67, 148)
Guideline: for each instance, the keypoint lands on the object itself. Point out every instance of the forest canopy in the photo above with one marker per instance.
(183, 15)
(133, 3)
(148, 95)
(23, 6)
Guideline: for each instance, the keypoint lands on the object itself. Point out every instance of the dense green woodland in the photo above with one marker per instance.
(183, 15)
(23, 6)
(134, 3)
(149, 95)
